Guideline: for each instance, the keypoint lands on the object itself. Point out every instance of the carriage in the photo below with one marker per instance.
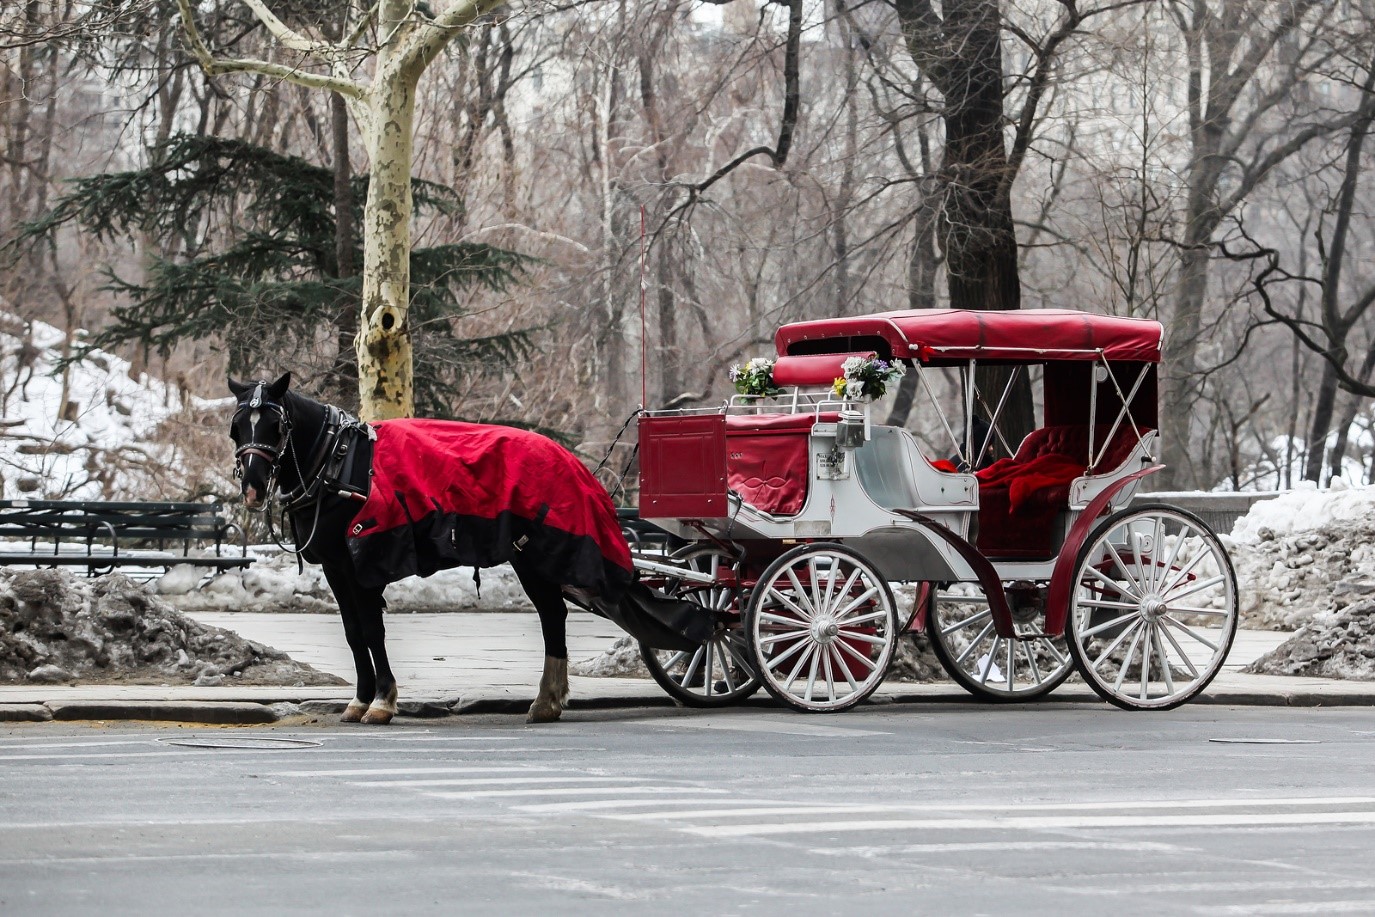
(802, 512)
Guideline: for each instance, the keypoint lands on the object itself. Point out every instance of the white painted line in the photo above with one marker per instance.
(574, 791)
(1040, 823)
(308, 857)
(395, 771)
(594, 805)
(1291, 907)
(489, 781)
(908, 850)
(161, 752)
(764, 724)
(783, 808)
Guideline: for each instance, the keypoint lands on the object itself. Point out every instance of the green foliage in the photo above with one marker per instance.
(249, 260)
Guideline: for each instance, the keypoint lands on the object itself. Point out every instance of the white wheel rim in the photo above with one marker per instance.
(991, 664)
(1155, 609)
(823, 630)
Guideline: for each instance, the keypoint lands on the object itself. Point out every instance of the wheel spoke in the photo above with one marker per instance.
(977, 640)
(1146, 649)
(1184, 571)
(1183, 656)
(1164, 660)
(988, 661)
(1011, 650)
(857, 655)
(1127, 660)
(707, 680)
(801, 661)
(855, 603)
(1196, 587)
(877, 615)
(799, 646)
(1182, 626)
(871, 639)
(692, 667)
(845, 590)
(830, 675)
(1174, 555)
(947, 631)
(1195, 610)
(1104, 603)
(675, 659)
(844, 668)
(1115, 585)
(786, 600)
(811, 677)
(1117, 641)
(1121, 565)
(726, 667)
(1031, 660)
(1108, 625)
(1156, 541)
(817, 605)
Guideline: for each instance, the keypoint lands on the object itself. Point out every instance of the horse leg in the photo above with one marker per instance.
(340, 584)
(383, 706)
(547, 597)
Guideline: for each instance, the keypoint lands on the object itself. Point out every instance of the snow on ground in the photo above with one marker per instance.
(272, 583)
(93, 441)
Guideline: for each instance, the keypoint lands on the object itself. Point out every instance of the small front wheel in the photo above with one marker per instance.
(719, 672)
(1154, 609)
(822, 627)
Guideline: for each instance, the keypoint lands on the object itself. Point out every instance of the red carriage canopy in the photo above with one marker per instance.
(939, 336)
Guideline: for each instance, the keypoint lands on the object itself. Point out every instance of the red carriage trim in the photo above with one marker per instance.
(766, 459)
(952, 335)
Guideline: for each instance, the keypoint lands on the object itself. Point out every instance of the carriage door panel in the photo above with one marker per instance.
(683, 467)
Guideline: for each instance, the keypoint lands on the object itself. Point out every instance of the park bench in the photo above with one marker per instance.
(107, 536)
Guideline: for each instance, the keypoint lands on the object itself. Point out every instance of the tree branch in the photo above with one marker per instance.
(347, 88)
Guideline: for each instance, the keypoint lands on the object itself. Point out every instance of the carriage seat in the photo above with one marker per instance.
(1020, 497)
(766, 459)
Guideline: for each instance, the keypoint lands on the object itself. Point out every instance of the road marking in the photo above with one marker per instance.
(764, 724)
(1291, 907)
(490, 781)
(576, 791)
(308, 857)
(395, 771)
(1035, 823)
(594, 805)
(908, 850)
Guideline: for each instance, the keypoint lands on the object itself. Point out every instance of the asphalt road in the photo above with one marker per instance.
(953, 809)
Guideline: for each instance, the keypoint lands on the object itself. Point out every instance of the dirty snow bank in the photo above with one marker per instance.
(56, 628)
(1339, 644)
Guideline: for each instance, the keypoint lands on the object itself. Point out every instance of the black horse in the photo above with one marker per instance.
(353, 494)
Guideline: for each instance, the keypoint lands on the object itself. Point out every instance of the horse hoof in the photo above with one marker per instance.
(544, 713)
(376, 717)
(354, 712)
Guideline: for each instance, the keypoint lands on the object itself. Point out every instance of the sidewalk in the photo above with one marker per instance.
(490, 663)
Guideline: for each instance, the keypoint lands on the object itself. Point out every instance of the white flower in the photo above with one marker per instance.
(852, 365)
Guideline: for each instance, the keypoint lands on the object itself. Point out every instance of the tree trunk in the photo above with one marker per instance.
(384, 338)
(1323, 409)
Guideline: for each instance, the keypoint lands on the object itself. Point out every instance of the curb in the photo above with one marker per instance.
(247, 713)
(228, 713)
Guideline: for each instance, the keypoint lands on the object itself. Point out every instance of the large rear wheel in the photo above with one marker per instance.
(719, 672)
(1154, 609)
(822, 626)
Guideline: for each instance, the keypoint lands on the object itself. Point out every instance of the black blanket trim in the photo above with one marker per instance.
(439, 541)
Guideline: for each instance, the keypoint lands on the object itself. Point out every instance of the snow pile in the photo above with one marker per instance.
(56, 628)
(91, 438)
(1338, 644)
(272, 584)
(1304, 553)
(619, 660)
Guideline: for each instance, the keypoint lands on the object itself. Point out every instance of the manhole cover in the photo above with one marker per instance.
(259, 743)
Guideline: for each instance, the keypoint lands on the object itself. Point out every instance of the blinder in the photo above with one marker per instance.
(272, 452)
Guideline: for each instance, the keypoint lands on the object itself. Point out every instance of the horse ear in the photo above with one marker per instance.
(277, 389)
(238, 389)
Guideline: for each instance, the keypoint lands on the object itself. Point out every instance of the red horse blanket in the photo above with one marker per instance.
(446, 494)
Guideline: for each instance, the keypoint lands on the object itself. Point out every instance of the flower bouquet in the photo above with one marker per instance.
(755, 377)
(867, 377)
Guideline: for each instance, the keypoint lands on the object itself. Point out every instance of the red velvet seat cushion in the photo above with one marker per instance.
(1020, 497)
(766, 459)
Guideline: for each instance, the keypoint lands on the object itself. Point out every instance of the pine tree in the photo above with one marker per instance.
(255, 266)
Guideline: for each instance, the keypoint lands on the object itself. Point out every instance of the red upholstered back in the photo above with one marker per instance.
(766, 459)
(1073, 441)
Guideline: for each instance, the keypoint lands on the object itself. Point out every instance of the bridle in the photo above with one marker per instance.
(270, 452)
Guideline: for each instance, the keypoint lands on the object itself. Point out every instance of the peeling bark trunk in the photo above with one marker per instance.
(384, 336)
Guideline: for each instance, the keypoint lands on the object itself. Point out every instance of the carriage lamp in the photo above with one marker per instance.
(850, 430)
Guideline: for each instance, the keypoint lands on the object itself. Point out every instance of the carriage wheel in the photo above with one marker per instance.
(959, 624)
(1154, 609)
(719, 672)
(822, 626)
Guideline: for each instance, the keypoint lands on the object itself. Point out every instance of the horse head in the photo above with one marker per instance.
(261, 430)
